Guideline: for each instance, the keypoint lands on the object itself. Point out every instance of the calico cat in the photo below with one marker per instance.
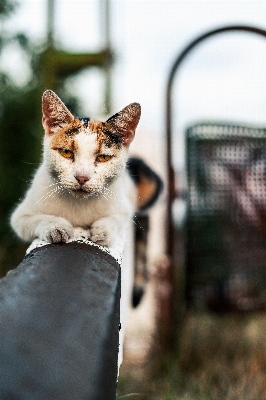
(82, 182)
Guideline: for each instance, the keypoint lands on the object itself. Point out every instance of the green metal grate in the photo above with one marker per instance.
(226, 217)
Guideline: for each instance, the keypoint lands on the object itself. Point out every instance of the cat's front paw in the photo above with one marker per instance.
(59, 230)
(81, 234)
(102, 233)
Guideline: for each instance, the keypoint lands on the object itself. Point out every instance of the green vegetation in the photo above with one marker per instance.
(19, 141)
(20, 130)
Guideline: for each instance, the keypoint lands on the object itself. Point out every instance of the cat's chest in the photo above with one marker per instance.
(79, 213)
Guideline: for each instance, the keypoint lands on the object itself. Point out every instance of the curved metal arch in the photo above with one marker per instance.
(172, 75)
(169, 312)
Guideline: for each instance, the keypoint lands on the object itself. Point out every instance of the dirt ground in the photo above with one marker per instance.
(221, 358)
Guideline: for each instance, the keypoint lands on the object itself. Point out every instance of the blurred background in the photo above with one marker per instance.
(100, 56)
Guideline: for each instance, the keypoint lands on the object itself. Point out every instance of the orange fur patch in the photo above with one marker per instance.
(64, 137)
(103, 138)
(146, 190)
(96, 126)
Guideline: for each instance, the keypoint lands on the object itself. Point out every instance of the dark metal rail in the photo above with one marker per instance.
(59, 325)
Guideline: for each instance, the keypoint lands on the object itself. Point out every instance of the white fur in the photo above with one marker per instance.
(55, 209)
(51, 209)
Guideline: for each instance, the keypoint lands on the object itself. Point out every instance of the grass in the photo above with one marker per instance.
(221, 358)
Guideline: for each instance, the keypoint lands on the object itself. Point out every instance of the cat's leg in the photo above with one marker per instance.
(45, 227)
(54, 230)
(108, 230)
(104, 231)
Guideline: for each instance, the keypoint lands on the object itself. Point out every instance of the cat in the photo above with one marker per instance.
(87, 186)
(82, 182)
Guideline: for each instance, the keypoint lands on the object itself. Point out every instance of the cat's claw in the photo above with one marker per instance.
(57, 235)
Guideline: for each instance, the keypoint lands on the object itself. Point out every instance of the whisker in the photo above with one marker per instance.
(23, 179)
(48, 195)
(136, 222)
(30, 163)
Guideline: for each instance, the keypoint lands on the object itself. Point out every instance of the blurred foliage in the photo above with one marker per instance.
(20, 131)
(19, 139)
(6, 7)
(19, 153)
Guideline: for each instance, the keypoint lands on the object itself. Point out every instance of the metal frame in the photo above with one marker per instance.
(168, 313)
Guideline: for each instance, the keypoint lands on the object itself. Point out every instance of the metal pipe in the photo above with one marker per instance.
(109, 59)
(50, 23)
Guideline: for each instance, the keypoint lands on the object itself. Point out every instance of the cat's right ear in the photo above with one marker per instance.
(54, 112)
(125, 122)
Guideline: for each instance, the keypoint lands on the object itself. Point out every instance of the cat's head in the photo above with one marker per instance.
(84, 156)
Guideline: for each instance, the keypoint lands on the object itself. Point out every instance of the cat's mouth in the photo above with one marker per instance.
(80, 192)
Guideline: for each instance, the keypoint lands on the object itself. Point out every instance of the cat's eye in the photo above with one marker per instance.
(103, 158)
(66, 153)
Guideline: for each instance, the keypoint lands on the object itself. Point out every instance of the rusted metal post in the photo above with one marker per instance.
(59, 313)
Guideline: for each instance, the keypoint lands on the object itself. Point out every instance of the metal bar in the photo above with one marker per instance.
(109, 58)
(50, 22)
(59, 314)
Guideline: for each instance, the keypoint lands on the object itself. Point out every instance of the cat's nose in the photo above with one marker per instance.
(82, 179)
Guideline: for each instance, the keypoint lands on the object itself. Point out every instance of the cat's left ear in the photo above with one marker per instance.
(125, 122)
(54, 112)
